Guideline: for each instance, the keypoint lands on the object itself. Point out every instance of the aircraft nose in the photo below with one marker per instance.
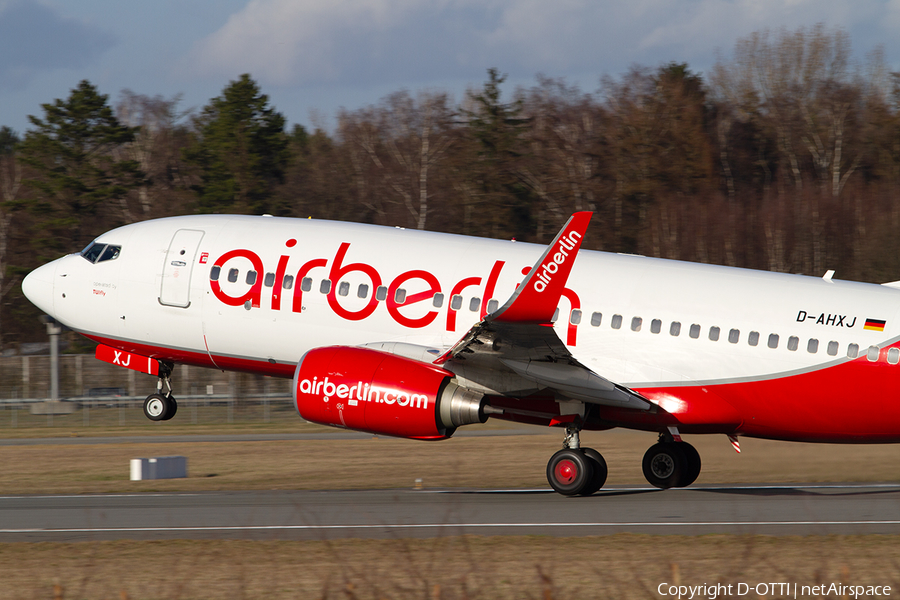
(38, 287)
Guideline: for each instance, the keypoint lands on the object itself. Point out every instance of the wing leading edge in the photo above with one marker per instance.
(519, 336)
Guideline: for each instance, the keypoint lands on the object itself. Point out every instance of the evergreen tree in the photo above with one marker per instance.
(80, 172)
(241, 151)
(497, 129)
(8, 141)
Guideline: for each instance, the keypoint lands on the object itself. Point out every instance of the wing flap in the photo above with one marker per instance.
(578, 382)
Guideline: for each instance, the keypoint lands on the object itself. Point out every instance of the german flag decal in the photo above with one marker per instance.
(874, 325)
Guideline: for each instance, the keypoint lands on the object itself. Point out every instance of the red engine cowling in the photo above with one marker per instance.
(374, 391)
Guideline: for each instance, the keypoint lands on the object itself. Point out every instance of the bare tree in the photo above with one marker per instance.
(404, 139)
(157, 148)
(798, 85)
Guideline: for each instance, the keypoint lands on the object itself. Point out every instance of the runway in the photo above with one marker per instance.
(323, 515)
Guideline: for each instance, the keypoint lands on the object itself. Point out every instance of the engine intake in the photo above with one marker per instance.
(374, 391)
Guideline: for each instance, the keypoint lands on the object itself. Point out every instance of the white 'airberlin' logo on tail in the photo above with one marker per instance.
(361, 392)
(551, 265)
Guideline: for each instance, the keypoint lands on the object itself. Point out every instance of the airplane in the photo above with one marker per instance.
(414, 334)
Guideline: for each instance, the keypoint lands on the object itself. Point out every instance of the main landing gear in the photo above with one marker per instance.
(161, 406)
(671, 463)
(576, 471)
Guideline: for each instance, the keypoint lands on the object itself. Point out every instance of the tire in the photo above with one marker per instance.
(664, 465)
(156, 407)
(600, 471)
(570, 472)
(693, 461)
(173, 408)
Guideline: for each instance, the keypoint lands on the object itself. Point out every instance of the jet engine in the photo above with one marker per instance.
(382, 393)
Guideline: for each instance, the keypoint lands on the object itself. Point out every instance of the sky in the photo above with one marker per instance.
(315, 57)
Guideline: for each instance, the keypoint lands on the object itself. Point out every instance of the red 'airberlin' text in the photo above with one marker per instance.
(549, 267)
(339, 268)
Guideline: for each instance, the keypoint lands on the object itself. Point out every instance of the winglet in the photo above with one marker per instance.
(536, 299)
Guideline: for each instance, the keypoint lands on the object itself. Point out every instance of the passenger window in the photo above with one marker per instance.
(832, 348)
(734, 336)
(344, 288)
(575, 317)
(269, 281)
(306, 284)
(474, 304)
(555, 316)
(894, 356)
(695, 331)
(714, 334)
(400, 296)
(616, 322)
(675, 329)
(251, 277)
(456, 302)
(596, 319)
(753, 338)
(362, 291)
(853, 351)
(493, 305)
(325, 286)
(288, 282)
(214, 273)
(773, 340)
(381, 293)
(655, 326)
(812, 346)
(793, 343)
(872, 353)
(636, 323)
(438, 300)
(233, 275)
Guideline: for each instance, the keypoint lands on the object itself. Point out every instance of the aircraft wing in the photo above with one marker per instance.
(519, 336)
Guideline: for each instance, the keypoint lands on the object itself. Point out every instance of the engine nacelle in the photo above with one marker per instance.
(374, 391)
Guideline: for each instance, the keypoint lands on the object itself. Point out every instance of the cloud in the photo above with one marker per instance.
(311, 42)
(35, 38)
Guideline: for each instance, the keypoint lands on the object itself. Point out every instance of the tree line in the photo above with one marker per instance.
(784, 157)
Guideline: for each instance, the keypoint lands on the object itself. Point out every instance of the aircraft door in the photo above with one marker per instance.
(175, 289)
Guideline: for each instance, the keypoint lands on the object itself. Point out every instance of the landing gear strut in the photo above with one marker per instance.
(161, 406)
(576, 471)
(671, 463)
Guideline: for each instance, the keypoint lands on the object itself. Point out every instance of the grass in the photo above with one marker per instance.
(510, 461)
(622, 566)
(192, 419)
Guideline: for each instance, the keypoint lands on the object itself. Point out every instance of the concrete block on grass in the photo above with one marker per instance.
(160, 467)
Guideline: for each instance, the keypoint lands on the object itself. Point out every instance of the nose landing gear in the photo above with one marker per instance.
(160, 406)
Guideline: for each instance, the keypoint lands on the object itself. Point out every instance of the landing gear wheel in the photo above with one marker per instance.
(173, 408)
(570, 472)
(664, 465)
(156, 407)
(599, 471)
(693, 464)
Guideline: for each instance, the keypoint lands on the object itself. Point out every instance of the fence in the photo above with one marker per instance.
(95, 393)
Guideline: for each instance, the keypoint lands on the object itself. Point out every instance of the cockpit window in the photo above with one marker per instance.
(95, 252)
(111, 253)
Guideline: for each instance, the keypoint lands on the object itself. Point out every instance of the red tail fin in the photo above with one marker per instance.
(538, 296)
